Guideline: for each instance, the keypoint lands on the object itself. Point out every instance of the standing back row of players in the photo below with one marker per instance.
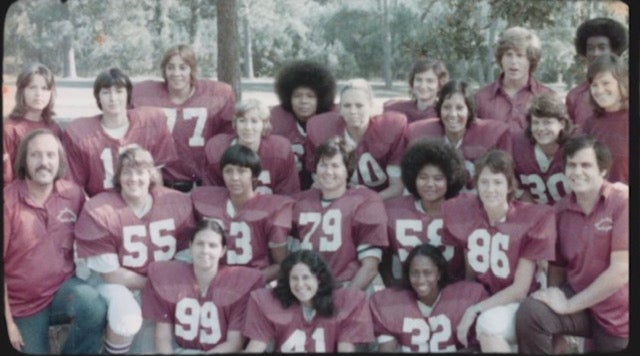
(197, 109)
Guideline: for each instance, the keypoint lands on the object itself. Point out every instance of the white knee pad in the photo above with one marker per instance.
(499, 321)
(124, 314)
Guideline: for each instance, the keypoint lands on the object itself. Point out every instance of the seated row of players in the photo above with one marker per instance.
(196, 110)
(122, 233)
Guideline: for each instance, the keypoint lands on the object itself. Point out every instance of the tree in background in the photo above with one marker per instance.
(347, 35)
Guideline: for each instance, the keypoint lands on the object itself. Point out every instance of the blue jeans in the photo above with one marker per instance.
(76, 303)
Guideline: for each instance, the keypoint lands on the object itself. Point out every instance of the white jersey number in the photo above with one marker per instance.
(408, 232)
(298, 149)
(297, 340)
(538, 188)
(160, 233)
(240, 233)
(428, 334)
(199, 114)
(331, 225)
(264, 182)
(193, 319)
(370, 171)
(107, 165)
(488, 252)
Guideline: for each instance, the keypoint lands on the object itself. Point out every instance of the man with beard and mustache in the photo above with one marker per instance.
(40, 286)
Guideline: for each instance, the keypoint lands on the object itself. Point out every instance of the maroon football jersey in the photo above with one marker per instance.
(38, 244)
(396, 313)
(13, 131)
(268, 320)
(264, 221)
(284, 123)
(336, 230)
(578, 104)
(409, 226)
(584, 247)
(528, 231)
(492, 102)
(480, 137)
(276, 159)
(201, 319)
(381, 146)
(108, 225)
(410, 109)
(93, 155)
(543, 178)
(209, 111)
(612, 129)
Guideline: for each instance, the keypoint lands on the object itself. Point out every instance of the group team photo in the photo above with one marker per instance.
(474, 204)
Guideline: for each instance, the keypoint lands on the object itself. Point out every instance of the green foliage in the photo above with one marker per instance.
(347, 35)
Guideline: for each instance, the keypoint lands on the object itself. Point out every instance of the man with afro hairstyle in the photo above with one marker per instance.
(304, 88)
(594, 37)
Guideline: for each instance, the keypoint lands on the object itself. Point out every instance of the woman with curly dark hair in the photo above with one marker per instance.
(305, 313)
(428, 301)
(304, 88)
(432, 172)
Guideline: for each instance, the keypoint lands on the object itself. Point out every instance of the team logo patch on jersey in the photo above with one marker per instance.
(604, 224)
(66, 215)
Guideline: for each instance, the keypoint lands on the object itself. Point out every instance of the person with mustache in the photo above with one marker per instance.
(35, 97)
(40, 288)
(588, 292)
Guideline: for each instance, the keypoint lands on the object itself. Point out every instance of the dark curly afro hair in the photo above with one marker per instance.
(602, 26)
(309, 74)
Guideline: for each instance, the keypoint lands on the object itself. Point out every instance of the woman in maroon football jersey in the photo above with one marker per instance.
(503, 238)
(304, 88)
(458, 125)
(305, 313)
(378, 141)
(121, 232)
(537, 153)
(425, 80)
(432, 172)
(252, 127)
(199, 306)
(35, 97)
(196, 110)
(422, 316)
(346, 223)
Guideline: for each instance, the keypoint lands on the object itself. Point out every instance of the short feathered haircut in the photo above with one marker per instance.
(497, 161)
(323, 300)
(309, 74)
(618, 69)
(549, 104)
